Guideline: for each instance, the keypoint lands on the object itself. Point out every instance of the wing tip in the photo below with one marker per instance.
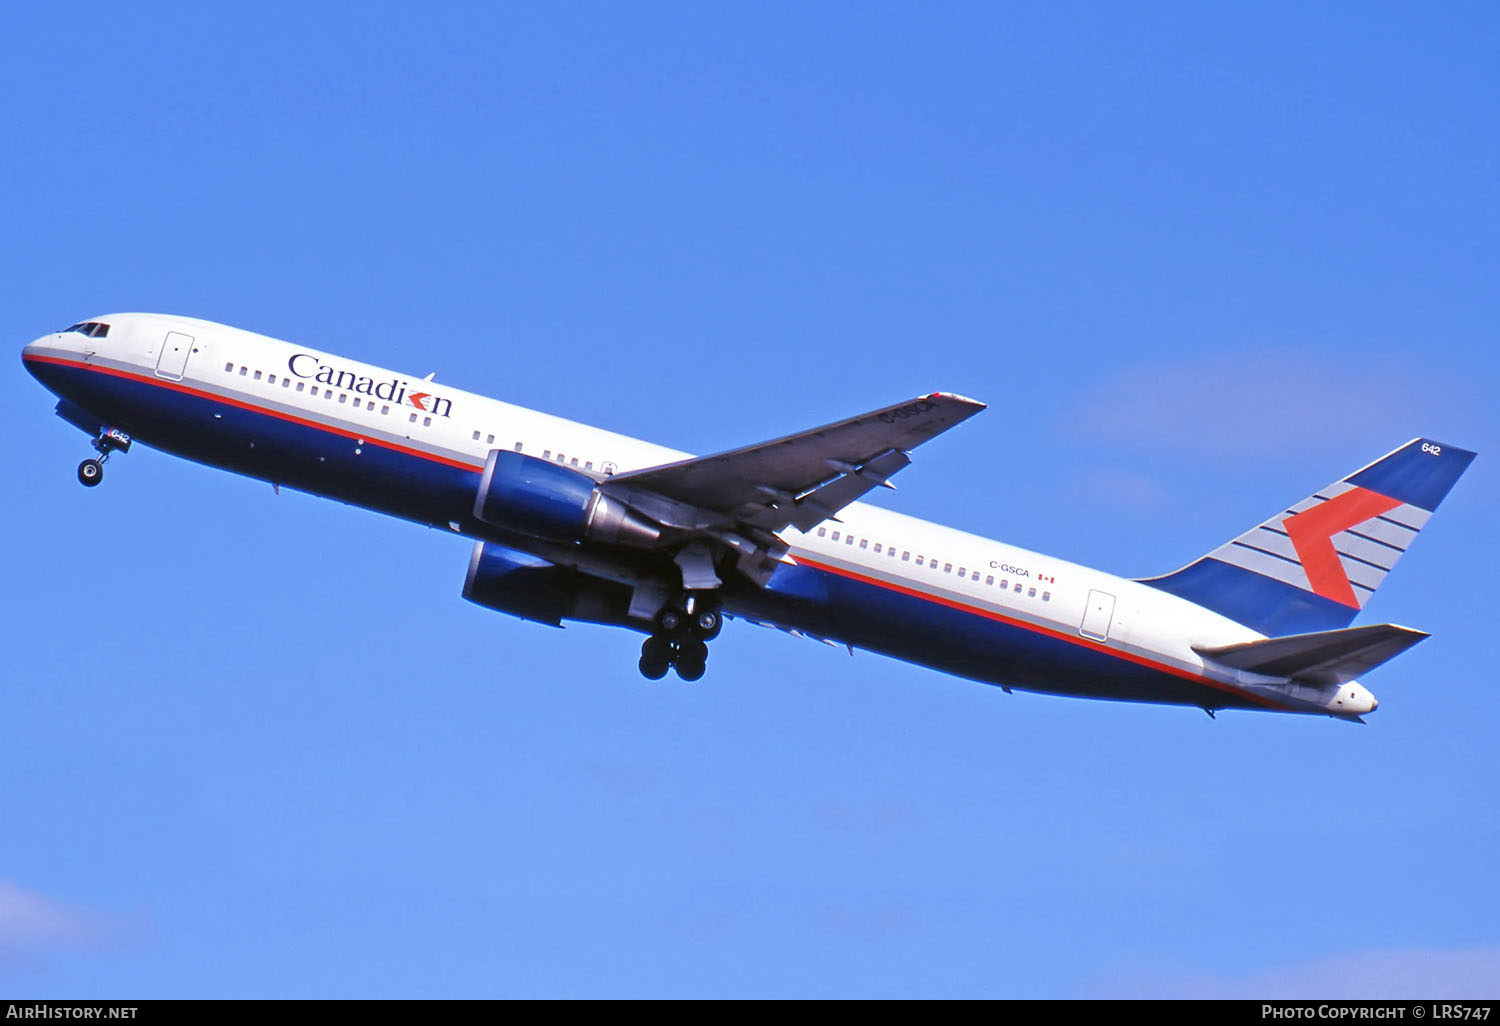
(962, 400)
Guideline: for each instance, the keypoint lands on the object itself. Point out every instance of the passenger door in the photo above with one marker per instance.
(175, 350)
(1097, 615)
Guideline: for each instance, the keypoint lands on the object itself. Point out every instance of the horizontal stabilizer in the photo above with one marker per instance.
(1327, 657)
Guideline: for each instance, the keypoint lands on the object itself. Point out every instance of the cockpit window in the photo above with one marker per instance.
(93, 329)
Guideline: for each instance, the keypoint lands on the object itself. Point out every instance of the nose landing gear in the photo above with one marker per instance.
(683, 631)
(91, 471)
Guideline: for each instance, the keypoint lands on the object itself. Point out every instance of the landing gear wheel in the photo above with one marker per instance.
(692, 659)
(656, 657)
(90, 473)
(708, 623)
(683, 628)
(690, 669)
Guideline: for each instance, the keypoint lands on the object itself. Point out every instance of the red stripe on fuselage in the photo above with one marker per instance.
(1081, 642)
(279, 415)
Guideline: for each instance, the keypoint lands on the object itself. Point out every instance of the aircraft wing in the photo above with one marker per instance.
(802, 479)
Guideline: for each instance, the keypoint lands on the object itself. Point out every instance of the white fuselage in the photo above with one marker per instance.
(371, 408)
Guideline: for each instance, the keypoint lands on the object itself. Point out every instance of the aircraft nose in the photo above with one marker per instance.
(32, 353)
(31, 348)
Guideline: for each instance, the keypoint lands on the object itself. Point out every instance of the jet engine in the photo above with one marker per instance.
(533, 588)
(550, 501)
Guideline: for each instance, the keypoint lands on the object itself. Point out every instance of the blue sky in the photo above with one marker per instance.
(1200, 259)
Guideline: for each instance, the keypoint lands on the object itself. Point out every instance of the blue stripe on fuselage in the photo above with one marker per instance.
(928, 631)
(265, 445)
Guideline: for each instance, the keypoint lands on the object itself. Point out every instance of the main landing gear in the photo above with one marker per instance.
(91, 471)
(683, 630)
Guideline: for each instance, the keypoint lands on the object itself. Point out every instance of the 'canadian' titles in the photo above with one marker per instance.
(393, 391)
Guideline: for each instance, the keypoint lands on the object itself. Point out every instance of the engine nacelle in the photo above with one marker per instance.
(533, 588)
(550, 501)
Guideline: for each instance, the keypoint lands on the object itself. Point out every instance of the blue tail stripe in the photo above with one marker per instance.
(1420, 472)
(1263, 603)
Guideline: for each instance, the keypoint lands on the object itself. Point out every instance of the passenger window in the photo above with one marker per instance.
(877, 548)
(299, 386)
(488, 439)
(270, 379)
(962, 572)
(427, 422)
(947, 568)
(343, 397)
(518, 447)
(588, 465)
(1046, 596)
(848, 539)
(919, 561)
(257, 375)
(327, 393)
(244, 371)
(822, 532)
(573, 462)
(905, 556)
(1018, 587)
(1031, 593)
(864, 543)
(228, 367)
(286, 382)
(990, 580)
(546, 454)
(384, 410)
(476, 436)
(412, 419)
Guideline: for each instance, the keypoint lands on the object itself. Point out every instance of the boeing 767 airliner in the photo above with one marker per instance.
(571, 522)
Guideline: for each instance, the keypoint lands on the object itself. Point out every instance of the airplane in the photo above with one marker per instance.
(575, 523)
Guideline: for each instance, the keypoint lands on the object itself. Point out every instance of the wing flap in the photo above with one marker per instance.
(816, 505)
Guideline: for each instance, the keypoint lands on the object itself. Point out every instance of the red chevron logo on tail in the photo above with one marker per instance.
(1312, 531)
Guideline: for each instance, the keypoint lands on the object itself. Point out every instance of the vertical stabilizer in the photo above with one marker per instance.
(1313, 567)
